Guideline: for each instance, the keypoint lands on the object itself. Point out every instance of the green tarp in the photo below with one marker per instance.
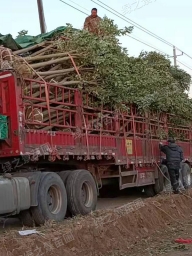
(9, 42)
(26, 41)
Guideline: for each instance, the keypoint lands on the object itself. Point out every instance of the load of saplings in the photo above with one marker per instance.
(103, 68)
(150, 81)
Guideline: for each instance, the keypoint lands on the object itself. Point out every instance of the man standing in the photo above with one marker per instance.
(174, 157)
(92, 22)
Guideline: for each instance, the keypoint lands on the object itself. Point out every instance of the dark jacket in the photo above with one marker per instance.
(174, 154)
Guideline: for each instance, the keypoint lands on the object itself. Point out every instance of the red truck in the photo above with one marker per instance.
(57, 149)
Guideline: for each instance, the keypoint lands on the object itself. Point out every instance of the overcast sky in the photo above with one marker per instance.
(169, 19)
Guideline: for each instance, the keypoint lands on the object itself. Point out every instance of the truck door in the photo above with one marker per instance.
(9, 139)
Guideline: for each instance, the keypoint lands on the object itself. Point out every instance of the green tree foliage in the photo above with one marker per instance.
(182, 77)
(149, 80)
(22, 33)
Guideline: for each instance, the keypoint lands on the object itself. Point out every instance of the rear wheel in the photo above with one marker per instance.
(149, 190)
(167, 187)
(159, 182)
(52, 199)
(64, 176)
(162, 183)
(186, 176)
(81, 192)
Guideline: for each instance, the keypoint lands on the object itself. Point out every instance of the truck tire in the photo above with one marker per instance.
(26, 218)
(162, 183)
(149, 190)
(159, 183)
(162, 180)
(52, 199)
(81, 192)
(186, 176)
(64, 175)
(166, 179)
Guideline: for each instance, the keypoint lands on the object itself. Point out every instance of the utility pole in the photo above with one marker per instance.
(41, 16)
(174, 56)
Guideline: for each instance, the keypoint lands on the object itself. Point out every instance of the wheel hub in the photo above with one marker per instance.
(87, 194)
(54, 199)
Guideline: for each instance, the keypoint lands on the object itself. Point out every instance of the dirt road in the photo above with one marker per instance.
(147, 229)
(116, 199)
(120, 198)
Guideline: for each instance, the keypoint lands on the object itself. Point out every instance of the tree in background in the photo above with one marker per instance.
(22, 33)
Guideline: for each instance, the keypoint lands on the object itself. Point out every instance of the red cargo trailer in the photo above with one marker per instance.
(57, 148)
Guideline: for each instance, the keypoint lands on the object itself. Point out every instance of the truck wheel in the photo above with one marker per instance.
(52, 199)
(26, 218)
(81, 192)
(163, 180)
(64, 175)
(166, 179)
(186, 176)
(158, 187)
(149, 190)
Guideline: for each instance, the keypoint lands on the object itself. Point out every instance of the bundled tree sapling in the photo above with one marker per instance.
(107, 71)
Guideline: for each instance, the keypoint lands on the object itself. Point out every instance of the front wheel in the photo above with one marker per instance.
(26, 218)
(52, 199)
(81, 192)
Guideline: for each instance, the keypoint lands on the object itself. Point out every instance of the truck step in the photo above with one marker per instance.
(128, 173)
(128, 185)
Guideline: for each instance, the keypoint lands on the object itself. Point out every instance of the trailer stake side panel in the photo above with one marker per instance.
(67, 124)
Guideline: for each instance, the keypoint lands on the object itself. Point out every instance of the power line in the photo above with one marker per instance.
(185, 53)
(132, 36)
(79, 5)
(73, 7)
(149, 45)
(119, 17)
(129, 35)
(184, 65)
(133, 23)
(138, 26)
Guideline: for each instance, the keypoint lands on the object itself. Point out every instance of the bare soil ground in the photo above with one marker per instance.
(146, 228)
